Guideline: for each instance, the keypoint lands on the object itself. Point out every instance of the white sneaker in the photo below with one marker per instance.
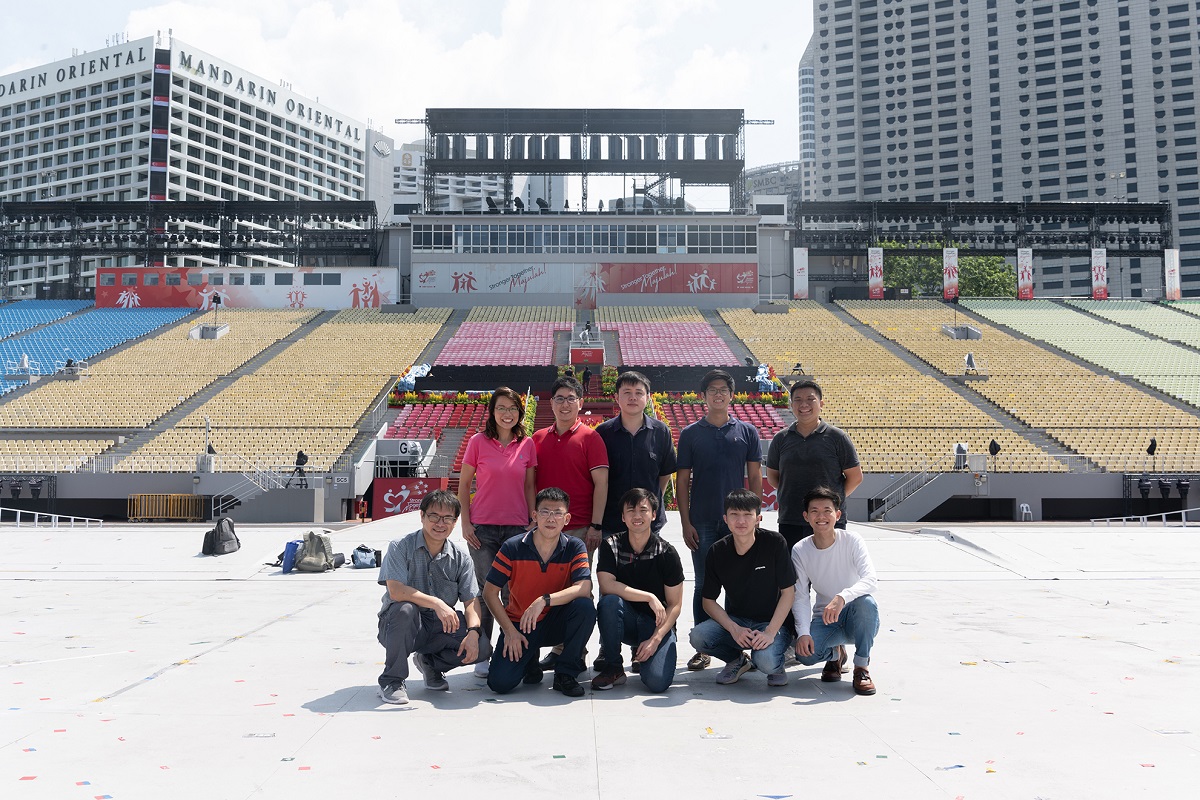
(481, 670)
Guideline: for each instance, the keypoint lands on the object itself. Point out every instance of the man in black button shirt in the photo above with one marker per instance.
(755, 569)
(641, 587)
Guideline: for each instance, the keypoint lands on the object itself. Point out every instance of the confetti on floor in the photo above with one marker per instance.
(28, 778)
(969, 663)
(947, 769)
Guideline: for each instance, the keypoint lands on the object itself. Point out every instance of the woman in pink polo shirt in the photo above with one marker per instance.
(502, 462)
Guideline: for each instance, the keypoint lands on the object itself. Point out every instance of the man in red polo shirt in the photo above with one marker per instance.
(572, 456)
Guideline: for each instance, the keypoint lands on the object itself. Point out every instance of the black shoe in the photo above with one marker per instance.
(600, 663)
(567, 685)
(533, 673)
(549, 660)
(635, 667)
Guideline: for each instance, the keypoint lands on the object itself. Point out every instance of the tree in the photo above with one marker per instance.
(978, 276)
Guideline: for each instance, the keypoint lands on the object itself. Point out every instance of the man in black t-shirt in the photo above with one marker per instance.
(641, 587)
(755, 569)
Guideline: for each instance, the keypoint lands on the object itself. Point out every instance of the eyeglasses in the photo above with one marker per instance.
(564, 399)
(546, 513)
(507, 410)
(439, 519)
(718, 391)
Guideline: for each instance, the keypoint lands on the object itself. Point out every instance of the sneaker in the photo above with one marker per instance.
(832, 672)
(862, 681)
(600, 664)
(698, 662)
(610, 677)
(777, 679)
(482, 669)
(635, 667)
(549, 660)
(435, 681)
(734, 670)
(533, 673)
(566, 684)
(394, 693)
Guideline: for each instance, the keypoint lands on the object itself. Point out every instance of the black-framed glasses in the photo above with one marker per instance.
(440, 519)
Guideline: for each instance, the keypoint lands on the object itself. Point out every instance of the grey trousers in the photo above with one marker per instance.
(406, 629)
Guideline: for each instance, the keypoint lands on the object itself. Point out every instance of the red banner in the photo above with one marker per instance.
(678, 278)
(392, 496)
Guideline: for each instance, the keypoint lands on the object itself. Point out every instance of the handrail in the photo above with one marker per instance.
(908, 488)
(1142, 518)
(54, 518)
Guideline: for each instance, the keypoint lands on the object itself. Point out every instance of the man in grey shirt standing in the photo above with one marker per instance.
(806, 455)
(426, 576)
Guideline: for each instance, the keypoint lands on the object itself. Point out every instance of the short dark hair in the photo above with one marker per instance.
(743, 500)
(567, 382)
(716, 375)
(443, 498)
(490, 428)
(805, 383)
(636, 495)
(630, 378)
(552, 494)
(823, 493)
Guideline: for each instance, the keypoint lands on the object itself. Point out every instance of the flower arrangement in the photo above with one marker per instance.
(399, 398)
(777, 399)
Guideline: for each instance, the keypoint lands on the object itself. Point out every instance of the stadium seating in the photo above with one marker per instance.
(679, 344)
(21, 316)
(48, 455)
(1153, 318)
(615, 314)
(426, 421)
(522, 314)
(238, 448)
(502, 343)
(765, 418)
(85, 336)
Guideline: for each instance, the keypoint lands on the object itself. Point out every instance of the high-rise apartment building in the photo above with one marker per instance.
(1036, 100)
(160, 120)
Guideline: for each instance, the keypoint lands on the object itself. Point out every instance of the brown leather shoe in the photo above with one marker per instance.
(832, 673)
(862, 681)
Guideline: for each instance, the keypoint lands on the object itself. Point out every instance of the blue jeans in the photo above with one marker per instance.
(570, 625)
(622, 622)
(708, 535)
(711, 639)
(857, 625)
(490, 538)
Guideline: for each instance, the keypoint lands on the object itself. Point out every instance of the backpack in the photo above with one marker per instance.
(316, 554)
(221, 540)
(364, 557)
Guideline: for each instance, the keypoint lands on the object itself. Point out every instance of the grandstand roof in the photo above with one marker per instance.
(584, 120)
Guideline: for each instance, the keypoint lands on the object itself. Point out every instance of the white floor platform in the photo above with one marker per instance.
(1014, 661)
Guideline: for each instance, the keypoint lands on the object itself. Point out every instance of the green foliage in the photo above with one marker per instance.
(978, 276)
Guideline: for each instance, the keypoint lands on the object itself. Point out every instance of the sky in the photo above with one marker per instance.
(379, 60)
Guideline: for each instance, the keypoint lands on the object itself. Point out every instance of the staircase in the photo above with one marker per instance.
(722, 329)
(447, 331)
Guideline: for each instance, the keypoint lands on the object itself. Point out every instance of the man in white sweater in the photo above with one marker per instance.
(836, 565)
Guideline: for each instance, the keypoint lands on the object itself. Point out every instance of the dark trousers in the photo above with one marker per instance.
(794, 533)
(570, 625)
(407, 629)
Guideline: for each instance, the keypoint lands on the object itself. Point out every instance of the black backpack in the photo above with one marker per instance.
(221, 540)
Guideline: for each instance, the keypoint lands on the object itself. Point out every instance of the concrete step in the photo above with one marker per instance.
(722, 329)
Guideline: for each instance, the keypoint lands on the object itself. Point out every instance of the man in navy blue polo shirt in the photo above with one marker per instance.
(717, 454)
(640, 456)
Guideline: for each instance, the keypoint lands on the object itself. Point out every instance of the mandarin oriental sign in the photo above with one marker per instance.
(232, 82)
(84, 67)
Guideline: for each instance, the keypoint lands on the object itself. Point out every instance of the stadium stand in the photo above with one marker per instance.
(1038, 387)
(26, 314)
(1111, 347)
(48, 455)
(426, 421)
(501, 343)
(616, 314)
(521, 314)
(765, 418)
(85, 336)
(1153, 318)
(898, 418)
(310, 396)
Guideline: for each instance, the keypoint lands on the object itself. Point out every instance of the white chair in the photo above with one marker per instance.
(1026, 513)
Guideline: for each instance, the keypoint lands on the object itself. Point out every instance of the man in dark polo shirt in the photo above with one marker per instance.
(550, 601)
(753, 567)
(425, 576)
(806, 455)
(640, 455)
(717, 454)
(641, 587)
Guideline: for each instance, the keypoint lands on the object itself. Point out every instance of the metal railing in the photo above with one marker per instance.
(906, 487)
(55, 520)
(1142, 519)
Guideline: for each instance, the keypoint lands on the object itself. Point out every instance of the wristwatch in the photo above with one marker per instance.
(596, 526)
(546, 600)
(477, 629)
